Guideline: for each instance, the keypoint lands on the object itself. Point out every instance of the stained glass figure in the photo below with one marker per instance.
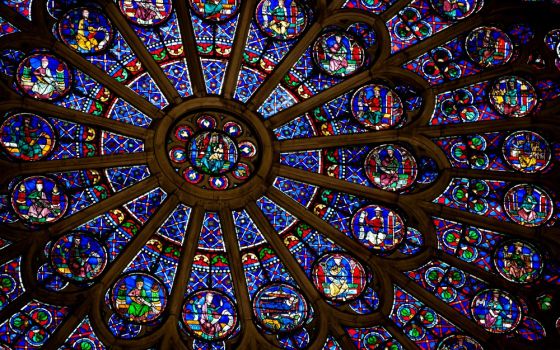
(280, 308)
(518, 261)
(78, 257)
(377, 107)
(281, 19)
(138, 298)
(489, 46)
(528, 205)
(339, 277)
(27, 137)
(459, 342)
(378, 228)
(86, 30)
(39, 200)
(513, 97)
(496, 310)
(455, 9)
(146, 12)
(44, 77)
(215, 10)
(527, 151)
(212, 152)
(338, 53)
(391, 167)
(209, 315)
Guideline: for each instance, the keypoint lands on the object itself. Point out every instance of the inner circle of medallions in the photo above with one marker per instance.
(220, 153)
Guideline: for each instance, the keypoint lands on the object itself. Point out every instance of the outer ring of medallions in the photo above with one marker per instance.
(173, 182)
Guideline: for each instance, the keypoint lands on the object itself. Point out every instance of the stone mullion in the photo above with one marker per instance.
(71, 322)
(549, 180)
(322, 310)
(321, 142)
(12, 16)
(15, 306)
(47, 166)
(183, 273)
(398, 334)
(486, 75)
(101, 207)
(491, 278)
(32, 105)
(548, 234)
(45, 40)
(376, 195)
(319, 224)
(247, 11)
(433, 302)
(323, 19)
(115, 270)
(446, 130)
(264, 90)
(250, 335)
(141, 51)
(346, 243)
(189, 43)
(440, 38)
(309, 104)
(138, 241)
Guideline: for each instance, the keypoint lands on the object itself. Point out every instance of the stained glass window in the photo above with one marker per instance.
(293, 174)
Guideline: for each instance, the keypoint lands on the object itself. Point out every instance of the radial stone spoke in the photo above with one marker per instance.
(139, 240)
(189, 42)
(432, 301)
(320, 225)
(340, 185)
(230, 82)
(549, 234)
(239, 281)
(144, 56)
(97, 209)
(283, 253)
(185, 264)
(31, 105)
(46, 166)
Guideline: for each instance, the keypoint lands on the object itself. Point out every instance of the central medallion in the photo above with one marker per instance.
(215, 151)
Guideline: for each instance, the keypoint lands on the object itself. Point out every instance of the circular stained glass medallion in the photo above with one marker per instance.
(86, 30)
(391, 167)
(338, 53)
(513, 97)
(459, 342)
(78, 256)
(215, 10)
(378, 228)
(528, 205)
(209, 315)
(44, 77)
(527, 151)
(455, 9)
(377, 107)
(489, 46)
(39, 200)
(339, 277)
(280, 308)
(146, 12)
(281, 19)
(496, 310)
(518, 261)
(138, 297)
(27, 137)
